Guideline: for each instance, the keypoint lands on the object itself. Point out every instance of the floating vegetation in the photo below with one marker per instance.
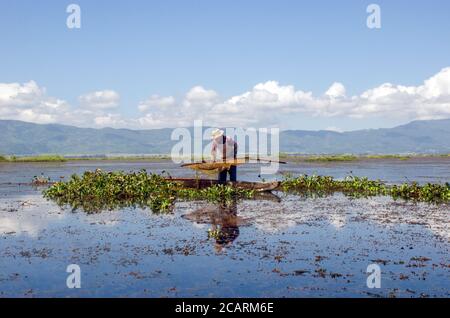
(363, 187)
(98, 190)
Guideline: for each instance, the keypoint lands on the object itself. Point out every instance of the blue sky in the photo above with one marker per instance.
(143, 48)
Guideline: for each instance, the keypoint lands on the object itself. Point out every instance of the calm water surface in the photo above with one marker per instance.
(286, 246)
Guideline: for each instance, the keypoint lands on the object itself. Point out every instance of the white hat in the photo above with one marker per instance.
(216, 133)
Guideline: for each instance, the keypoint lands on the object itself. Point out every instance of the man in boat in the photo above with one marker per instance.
(227, 149)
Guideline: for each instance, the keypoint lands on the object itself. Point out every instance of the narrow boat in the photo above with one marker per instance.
(205, 183)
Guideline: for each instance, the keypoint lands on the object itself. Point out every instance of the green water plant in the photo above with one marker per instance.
(357, 187)
(99, 190)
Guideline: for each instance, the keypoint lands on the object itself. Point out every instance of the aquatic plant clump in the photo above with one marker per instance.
(357, 187)
(96, 191)
(99, 190)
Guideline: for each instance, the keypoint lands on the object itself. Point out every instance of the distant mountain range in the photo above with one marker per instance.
(22, 138)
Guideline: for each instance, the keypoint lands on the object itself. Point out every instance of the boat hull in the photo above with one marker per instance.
(206, 183)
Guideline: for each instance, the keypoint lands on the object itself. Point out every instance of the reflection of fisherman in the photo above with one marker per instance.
(223, 219)
(227, 225)
(228, 151)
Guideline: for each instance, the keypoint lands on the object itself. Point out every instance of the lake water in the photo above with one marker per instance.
(291, 246)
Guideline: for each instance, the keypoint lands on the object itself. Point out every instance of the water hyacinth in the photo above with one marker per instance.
(363, 187)
(98, 190)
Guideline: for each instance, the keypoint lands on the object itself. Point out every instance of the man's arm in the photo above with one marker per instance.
(235, 150)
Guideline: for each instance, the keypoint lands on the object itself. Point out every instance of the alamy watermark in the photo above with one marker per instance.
(74, 279)
(195, 145)
(374, 19)
(374, 278)
(73, 21)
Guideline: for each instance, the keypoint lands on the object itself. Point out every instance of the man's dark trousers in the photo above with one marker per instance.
(223, 175)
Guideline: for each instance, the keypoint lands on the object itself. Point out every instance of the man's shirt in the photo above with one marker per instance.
(225, 148)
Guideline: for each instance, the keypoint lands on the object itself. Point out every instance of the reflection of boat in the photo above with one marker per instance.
(205, 183)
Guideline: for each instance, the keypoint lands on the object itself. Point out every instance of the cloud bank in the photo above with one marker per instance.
(263, 105)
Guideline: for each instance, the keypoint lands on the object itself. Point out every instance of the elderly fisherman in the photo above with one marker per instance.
(226, 149)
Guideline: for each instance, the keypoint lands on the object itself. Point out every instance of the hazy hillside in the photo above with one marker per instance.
(27, 138)
(22, 138)
(431, 136)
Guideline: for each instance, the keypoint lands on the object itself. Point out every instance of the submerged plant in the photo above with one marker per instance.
(214, 233)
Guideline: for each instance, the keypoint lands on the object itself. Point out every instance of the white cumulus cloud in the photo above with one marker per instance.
(156, 102)
(29, 102)
(266, 104)
(336, 90)
(106, 99)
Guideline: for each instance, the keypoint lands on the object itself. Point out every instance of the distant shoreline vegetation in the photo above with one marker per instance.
(156, 158)
(40, 158)
(59, 158)
(285, 156)
(352, 157)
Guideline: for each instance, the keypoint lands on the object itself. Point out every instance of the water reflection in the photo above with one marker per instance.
(224, 221)
(266, 243)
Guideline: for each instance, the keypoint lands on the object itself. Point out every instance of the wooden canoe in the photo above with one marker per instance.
(205, 183)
